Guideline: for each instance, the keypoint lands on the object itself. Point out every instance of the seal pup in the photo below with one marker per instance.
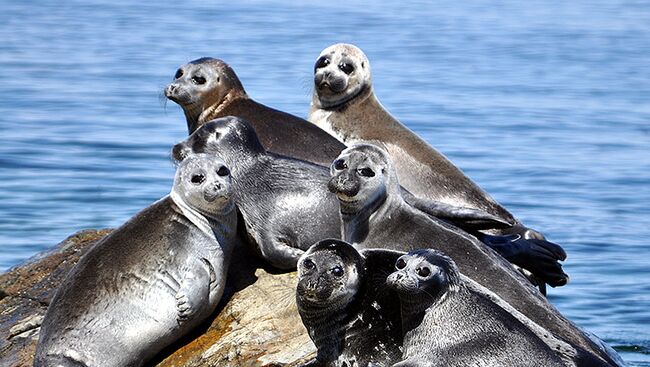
(350, 314)
(208, 88)
(150, 281)
(344, 104)
(374, 215)
(450, 320)
(285, 204)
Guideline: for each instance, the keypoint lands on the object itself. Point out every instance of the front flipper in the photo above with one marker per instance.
(540, 257)
(281, 252)
(467, 219)
(194, 292)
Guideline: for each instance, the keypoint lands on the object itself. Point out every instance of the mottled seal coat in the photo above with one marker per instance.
(208, 88)
(350, 314)
(344, 104)
(375, 216)
(450, 320)
(150, 281)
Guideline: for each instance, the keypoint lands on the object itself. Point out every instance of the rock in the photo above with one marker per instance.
(256, 324)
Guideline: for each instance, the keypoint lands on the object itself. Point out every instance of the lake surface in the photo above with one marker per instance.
(546, 104)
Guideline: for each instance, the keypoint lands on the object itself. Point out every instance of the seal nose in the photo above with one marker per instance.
(170, 90)
(343, 184)
(180, 151)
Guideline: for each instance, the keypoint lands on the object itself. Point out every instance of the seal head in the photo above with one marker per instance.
(203, 87)
(341, 73)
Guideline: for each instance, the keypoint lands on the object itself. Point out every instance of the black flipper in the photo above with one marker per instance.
(467, 219)
(540, 257)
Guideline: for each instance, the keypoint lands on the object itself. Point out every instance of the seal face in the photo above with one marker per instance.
(375, 215)
(284, 201)
(454, 321)
(341, 73)
(150, 281)
(208, 88)
(345, 306)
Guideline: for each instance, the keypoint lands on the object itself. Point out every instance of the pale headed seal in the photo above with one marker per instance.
(450, 320)
(344, 105)
(150, 281)
(352, 318)
(208, 88)
(375, 216)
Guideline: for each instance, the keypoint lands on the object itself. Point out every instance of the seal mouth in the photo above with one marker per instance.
(329, 102)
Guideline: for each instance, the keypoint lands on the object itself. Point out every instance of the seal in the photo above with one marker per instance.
(374, 215)
(208, 88)
(285, 204)
(450, 320)
(344, 105)
(150, 281)
(350, 314)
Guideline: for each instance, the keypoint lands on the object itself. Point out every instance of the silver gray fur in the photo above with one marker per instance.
(284, 201)
(350, 314)
(375, 215)
(150, 281)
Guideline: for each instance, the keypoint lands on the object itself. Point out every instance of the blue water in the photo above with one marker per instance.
(546, 104)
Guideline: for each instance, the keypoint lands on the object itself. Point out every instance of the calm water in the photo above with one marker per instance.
(544, 104)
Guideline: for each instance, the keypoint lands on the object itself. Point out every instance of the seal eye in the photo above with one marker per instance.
(197, 179)
(401, 264)
(308, 264)
(321, 63)
(366, 172)
(339, 164)
(346, 68)
(337, 271)
(179, 73)
(198, 80)
(223, 171)
(424, 272)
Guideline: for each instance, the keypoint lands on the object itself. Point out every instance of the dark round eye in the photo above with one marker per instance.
(198, 80)
(197, 179)
(308, 264)
(339, 164)
(337, 271)
(346, 68)
(400, 264)
(223, 171)
(321, 63)
(366, 172)
(424, 272)
(179, 73)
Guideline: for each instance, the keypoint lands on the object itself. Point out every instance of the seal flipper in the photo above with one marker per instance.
(467, 219)
(194, 291)
(540, 257)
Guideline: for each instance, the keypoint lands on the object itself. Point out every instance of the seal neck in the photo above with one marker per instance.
(221, 225)
(215, 110)
(357, 226)
(328, 323)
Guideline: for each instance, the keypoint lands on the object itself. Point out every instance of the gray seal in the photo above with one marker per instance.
(350, 314)
(150, 281)
(450, 320)
(285, 204)
(375, 215)
(208, 88)
(344, 105)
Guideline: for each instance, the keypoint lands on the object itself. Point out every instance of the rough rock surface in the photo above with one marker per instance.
(256, 324)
